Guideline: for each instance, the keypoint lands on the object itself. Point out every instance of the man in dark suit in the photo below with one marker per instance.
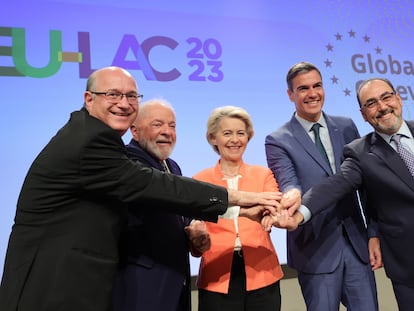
(372, 163)
(63, 248)
(155, 273)
(330, 253)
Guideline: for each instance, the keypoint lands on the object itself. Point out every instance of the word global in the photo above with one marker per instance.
(366, 64)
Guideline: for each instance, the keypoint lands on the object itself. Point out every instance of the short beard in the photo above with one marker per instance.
(390, 129)
(152, 148)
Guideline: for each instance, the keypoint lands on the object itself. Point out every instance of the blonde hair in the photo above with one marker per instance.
(231, 112)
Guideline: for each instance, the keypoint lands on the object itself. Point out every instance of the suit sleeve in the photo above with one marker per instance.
(335, 187)
(107, 172)
(281, 164)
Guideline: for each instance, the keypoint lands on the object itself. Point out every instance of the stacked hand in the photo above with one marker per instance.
(273, 209)
(255, 205)
(291, 200)
(247, 199)
(281, 220)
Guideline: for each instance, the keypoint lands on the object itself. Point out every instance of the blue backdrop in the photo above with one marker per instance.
(196, 54)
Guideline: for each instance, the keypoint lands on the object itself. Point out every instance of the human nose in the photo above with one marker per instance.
(234, 137)
(381, 104)
(312, 92)
(123, 102)
(166, 130)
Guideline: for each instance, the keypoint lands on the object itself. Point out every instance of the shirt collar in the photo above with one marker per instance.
(307, 125)
(404, 131)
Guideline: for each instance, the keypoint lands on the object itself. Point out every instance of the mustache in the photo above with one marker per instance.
(384, 112)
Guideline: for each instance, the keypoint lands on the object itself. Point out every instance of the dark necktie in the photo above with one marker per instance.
(404, 153)
(318, 142)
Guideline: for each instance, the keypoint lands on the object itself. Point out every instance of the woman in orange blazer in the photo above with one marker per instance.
(241, 271)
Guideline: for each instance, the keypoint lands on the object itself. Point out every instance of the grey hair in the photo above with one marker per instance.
(231, 112)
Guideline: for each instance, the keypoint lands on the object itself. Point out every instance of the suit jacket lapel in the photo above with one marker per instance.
(308, 145)
(148, 160)
(391, 159)
(337, 141)
(173, 168)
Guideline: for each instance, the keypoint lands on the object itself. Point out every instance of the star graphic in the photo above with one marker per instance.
(328, 63)
(331, 63)
(347, 92)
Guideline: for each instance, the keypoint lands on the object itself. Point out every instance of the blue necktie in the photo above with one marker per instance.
(404, 153)
(318, 142)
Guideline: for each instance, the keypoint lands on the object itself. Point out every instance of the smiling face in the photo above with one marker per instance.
(231, 139)
(118, 114)
(308, 95)
(155, 130)
(384, 117)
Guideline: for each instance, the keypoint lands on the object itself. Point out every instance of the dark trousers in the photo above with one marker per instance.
(404, 296)
(238, 299)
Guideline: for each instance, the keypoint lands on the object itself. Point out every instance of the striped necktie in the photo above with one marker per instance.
(166, 168)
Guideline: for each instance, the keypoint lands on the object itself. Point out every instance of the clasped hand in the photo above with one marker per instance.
(275, 209)
(199, 237)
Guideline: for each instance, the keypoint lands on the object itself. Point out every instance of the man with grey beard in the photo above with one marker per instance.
(381, 164)
(155, 271)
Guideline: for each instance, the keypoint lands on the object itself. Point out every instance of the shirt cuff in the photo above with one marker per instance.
(306, 214)
(231, 213)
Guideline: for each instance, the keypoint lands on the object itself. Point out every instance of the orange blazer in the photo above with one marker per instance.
(261, 262)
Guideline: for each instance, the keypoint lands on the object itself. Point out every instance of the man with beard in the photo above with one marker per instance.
(155, 273)
(379, 165)
(63, 248)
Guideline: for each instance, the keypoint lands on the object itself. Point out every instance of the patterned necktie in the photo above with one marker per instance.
(318, 142)
(166, 168)
(404, 153)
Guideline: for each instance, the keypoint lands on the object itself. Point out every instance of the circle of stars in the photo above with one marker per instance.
(351, 34)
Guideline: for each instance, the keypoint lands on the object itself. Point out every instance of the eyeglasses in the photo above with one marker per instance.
(132, 98)
(373, 103)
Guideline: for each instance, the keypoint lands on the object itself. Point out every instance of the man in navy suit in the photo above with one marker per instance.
(373, 164)
(330, 252)
(155, 274)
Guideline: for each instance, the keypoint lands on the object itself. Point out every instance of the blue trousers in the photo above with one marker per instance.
(352, 283)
